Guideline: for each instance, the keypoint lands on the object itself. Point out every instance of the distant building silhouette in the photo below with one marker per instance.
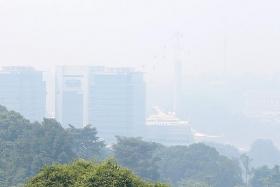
(23, 90)
(116, 102)
(110, 99)
(70, 95)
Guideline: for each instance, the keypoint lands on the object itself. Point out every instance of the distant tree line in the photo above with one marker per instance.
(44, 154)
(195, 165)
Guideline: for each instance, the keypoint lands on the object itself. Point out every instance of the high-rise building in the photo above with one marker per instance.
(71, 95)
(116, 102)
(110, 99)
(22, 89)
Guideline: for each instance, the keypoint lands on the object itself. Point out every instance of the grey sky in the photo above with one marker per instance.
(45, 33)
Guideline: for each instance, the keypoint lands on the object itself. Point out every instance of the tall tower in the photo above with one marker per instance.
(178, 74)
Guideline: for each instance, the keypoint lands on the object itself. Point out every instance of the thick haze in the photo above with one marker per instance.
(137, 33)
(220, 37)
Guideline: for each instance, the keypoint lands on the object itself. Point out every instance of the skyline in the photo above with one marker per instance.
(153, 93)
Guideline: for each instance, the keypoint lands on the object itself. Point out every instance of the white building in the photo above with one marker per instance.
(167, 129)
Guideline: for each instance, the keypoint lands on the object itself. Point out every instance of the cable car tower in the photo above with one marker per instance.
(178, 73)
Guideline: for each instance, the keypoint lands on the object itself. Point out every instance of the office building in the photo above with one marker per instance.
(22, 89)
(70, 96)
(110, 99)
(116, 102)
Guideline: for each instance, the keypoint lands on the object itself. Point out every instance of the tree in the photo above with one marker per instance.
(88, 174)
(138, 155)
(266, 177)
(86, 144)
(26, 147)
(195, 163)
(199, 162)
(246, 162)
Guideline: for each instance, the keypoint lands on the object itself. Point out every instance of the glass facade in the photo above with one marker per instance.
(23, 90)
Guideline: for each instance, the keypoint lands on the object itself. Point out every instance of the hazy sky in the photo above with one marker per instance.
(45, 33)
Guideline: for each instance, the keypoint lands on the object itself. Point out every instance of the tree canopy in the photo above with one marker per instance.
(196, 162)
(26, 147)
(138, 155)
(265, 176)
(88, 174)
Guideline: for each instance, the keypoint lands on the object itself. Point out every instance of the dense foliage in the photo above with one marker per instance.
(85, 143)
(265, 176)
(138, 155)
(25, 147)
(88, 174)
(197, 162)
